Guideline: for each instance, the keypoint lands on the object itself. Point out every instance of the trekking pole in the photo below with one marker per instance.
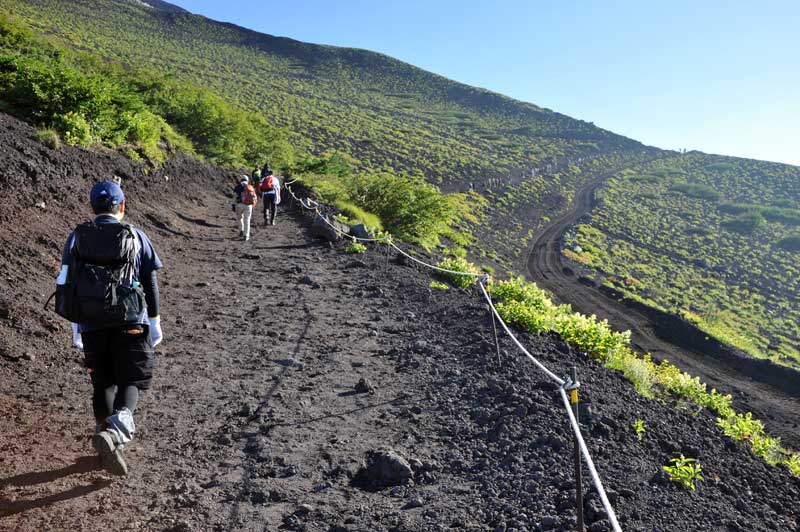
(573, 396)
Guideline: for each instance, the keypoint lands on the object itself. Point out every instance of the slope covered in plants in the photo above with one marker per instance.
(710, 238)
(386, 113)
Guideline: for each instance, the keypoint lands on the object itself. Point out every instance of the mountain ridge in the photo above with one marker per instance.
(385, 112)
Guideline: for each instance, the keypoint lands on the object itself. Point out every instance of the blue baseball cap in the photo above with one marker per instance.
(106, 192)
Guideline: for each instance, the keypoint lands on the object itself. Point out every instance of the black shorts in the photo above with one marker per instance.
(114, 356)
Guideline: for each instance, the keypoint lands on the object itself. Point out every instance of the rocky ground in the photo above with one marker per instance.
(302, 388)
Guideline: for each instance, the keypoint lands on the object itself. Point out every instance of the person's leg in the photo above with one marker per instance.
(265, 207)
(98, 362)
(248, 213)
(273, 209)
(240, 210)
(127, 397)
(134, 360)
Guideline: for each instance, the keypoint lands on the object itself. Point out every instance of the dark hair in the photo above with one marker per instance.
(103, 207)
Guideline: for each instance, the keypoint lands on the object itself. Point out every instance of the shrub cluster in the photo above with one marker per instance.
(529, 307)
(89, 101)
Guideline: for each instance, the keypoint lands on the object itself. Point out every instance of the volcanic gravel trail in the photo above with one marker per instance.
(771, 393)
(257, 419)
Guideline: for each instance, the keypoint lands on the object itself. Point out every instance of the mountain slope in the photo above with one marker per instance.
(252, 429)
(385, 112)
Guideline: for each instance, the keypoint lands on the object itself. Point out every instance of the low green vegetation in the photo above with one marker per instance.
(713, 240)
(88, 101)
(355, 248)
(459, 264)
(684, 471)
(638, 428)
(405, 205)
(530, 308)
(438, 285)
(50, 138)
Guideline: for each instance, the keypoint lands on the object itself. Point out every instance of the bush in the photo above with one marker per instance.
(76, 129)
(438, 285)
(355, 247)
(50, 138)
(746, 223)
(698, 191)
(459, 265)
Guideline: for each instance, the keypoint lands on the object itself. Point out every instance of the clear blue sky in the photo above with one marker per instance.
(718, 76)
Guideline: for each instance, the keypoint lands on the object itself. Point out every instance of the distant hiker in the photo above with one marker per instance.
(246, 199)
(265, 170)
(108, 288)
(270, 188)
(256, 175)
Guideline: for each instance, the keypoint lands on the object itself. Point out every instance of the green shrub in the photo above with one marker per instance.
(684, 471)
(439, 285)
(49, 137)
(745, 223)
(355, 247)
(638, 428)
(459, 265)
(358, 215)
(76, 129)
(696, 190)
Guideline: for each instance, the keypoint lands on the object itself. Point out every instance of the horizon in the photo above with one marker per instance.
(682, 92)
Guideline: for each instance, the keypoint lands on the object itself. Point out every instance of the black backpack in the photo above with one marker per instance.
(100, 289)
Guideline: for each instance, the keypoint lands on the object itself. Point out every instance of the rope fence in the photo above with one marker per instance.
(564, 385)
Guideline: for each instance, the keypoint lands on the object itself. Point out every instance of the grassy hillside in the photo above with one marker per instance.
(714, 239)
(386, 113)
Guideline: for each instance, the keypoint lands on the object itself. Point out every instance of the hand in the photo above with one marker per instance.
(77, 341)
(156, 336)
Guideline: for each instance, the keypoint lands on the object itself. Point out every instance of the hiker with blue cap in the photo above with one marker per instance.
(108, 289)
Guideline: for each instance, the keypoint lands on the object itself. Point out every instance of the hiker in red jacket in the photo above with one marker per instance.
(270, 189)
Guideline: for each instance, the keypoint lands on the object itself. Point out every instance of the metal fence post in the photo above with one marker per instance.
(573, 395)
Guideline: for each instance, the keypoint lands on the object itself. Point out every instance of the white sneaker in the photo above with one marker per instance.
(105, 443)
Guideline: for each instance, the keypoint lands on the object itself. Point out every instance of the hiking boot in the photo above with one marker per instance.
(105, 444)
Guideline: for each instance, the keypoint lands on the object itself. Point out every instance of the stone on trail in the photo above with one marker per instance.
(384, 468)
(321, 228)
(360, 231)
(363, 386)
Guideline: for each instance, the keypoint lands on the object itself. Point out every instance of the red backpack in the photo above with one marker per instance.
(268, 183)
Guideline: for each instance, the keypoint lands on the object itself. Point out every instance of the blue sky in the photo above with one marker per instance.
(718, 76)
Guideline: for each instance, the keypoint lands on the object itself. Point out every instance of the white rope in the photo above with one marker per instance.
(588, 458)
(346, 235)
(431, 266)
(541, 366)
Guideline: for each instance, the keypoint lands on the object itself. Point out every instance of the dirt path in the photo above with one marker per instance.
(257, 421)
(770, 392)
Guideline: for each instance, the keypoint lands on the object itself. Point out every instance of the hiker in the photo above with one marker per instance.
(270, 188)
(256, 175)
(246, 199)
(108, 288)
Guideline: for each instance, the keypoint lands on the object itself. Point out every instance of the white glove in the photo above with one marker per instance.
(77, 341)
(155, 331)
